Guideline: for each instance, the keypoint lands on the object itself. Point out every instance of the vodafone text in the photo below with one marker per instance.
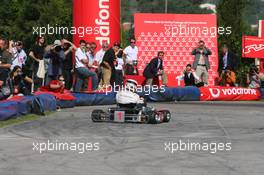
(215, 92)
(103, 22)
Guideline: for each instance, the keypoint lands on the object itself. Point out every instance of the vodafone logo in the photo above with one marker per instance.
(217, 92)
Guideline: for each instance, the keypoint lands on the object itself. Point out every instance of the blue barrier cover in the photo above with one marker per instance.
(25, 105)
(47, 101)
(66, 103)
(85, 99)
(173, 94)
(8, 110)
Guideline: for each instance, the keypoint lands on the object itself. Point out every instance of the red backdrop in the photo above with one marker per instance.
(166, 32)
(101, 19)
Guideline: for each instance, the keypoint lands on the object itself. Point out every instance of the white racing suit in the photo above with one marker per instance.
(125, 98)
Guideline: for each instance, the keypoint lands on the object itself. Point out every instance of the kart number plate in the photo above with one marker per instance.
(119, 116)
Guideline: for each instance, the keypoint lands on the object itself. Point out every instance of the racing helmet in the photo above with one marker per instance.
(131, 85)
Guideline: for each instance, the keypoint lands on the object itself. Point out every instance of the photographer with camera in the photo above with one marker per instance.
(18, 53)
(228, 77)
(56, 55)
(16, 84)
(201, 62)
(254, 77)
(68, 48)
(189, 76)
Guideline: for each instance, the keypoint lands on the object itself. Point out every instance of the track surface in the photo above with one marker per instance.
(138, 149)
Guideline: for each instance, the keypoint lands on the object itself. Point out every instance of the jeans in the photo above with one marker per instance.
(67, 78)
(82, 74)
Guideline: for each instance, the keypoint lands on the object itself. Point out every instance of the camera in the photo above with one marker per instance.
(57, 48)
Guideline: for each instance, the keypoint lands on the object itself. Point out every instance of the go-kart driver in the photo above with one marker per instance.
(127, 97)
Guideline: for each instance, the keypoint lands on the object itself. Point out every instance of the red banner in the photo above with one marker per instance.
(177, 35)
(253, 47)
(229, 93)
(96, 20)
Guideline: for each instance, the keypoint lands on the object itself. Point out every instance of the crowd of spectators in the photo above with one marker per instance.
(62, 65)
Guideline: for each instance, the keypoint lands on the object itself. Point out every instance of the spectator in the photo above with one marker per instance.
(5, 61)
(254, 78)
(131, 54)
(56, 56)
(100, 54)
(37, 53)
(108, 66)
(228, 78)
(261, 74)
(227, 59)
(189, 76)
(67, 71)
(99, 57)
(119, 65)
(19, 55)
(201, 62)
(17, 82)
(155, 69)
(91, 55)
(55, 85)
(82, 70)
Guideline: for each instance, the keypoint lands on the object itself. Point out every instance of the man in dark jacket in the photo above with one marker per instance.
(226, 59)
(154, 69)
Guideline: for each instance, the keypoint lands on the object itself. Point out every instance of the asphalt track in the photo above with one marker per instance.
(139, 149)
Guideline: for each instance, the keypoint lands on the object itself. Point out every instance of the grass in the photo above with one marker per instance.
(21, 119)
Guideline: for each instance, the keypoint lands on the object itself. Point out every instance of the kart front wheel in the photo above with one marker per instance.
(153, 118)
(167, 116)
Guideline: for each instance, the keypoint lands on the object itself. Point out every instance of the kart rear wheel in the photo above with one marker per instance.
(97, 115)
(167, 116)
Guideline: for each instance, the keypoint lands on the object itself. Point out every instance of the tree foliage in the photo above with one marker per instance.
(230, 13)
(18, 17)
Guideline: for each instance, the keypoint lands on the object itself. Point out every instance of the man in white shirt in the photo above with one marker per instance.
(19, 55)
(131, 54)
(81, 65)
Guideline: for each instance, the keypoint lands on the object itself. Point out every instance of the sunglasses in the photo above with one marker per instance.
(132, 42)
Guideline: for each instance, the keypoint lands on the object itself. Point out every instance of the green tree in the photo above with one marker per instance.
(174, 6)
(18, 17)
(230, 13)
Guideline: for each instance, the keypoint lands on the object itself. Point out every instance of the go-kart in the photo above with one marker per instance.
(143, 114)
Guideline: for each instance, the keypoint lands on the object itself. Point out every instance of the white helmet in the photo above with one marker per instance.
(131, 85)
